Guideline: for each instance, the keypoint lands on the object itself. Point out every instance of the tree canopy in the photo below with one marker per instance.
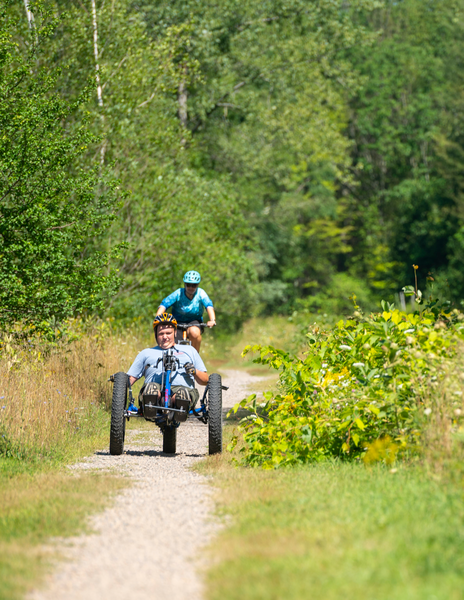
(293, 152)
(51, 207)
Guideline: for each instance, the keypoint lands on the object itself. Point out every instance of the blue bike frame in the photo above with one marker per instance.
(167, 389)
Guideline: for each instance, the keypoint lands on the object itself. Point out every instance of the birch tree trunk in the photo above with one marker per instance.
(182, 99)
(30, 16)
(97, 76)
(95, 52)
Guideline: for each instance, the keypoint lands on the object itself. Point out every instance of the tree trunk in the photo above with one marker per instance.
(97, 76)
(182, 98)
(95, 51)
(30, 16)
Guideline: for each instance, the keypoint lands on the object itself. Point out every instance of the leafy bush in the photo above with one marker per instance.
(51, 211)
(367, 379)
(335, 297)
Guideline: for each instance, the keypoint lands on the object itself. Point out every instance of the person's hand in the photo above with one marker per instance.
(190, 369)
(211, 323)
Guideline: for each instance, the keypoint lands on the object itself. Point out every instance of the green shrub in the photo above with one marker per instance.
(366, 379)
(335, 297)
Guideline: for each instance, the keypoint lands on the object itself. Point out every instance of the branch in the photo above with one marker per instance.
(62, 226)
(30, 16)
(83, 6)
(10, 188)
(229, 105)
(223, 97)
(111, 75)
(147, 101)
(95, 51)
(265, 20)
(18, 82)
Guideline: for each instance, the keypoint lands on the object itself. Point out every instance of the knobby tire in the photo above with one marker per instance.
(169, 440)
(215, 414)
(118, 422)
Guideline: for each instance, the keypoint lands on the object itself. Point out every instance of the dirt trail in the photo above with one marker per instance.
(148, 545)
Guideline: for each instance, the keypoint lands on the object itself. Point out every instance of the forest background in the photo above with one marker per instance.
(294, 152)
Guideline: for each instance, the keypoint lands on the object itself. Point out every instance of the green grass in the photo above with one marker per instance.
(36, 507)
(39, 500)
(224, 351)
(334, 531)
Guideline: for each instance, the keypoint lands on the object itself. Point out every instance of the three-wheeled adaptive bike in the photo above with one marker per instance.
(169, 410)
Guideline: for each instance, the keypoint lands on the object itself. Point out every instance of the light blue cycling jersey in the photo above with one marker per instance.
(184, 309)
(145, 365)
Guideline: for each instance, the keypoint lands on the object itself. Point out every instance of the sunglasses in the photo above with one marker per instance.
(193, 285)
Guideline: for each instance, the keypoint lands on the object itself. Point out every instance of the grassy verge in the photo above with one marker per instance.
(53, 410)
(337, 530)
(54, 396)
(340, 529)
(39, 504)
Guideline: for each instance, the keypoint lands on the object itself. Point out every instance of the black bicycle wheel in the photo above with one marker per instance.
(169, 440)
(215, 414)
(118, 422)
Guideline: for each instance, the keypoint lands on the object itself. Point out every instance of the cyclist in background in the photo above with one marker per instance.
(187, 305)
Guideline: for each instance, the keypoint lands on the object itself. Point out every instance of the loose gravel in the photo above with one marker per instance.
(148, 545)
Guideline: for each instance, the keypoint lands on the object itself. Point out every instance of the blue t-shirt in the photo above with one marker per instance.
(184, 309)
(145, 365)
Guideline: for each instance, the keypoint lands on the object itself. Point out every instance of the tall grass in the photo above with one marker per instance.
(442, 447)
(224, 350)
(54, 392)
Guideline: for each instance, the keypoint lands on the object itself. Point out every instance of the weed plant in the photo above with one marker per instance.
(368, 388)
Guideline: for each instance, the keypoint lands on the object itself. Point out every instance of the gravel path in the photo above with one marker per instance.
(148, 545)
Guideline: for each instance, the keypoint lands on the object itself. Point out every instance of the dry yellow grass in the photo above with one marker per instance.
(443, 433)
(52, 394)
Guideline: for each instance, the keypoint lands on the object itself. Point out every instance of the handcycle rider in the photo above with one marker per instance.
(187, 305)
(191, 365)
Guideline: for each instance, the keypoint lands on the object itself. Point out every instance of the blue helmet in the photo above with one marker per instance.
(192, 277)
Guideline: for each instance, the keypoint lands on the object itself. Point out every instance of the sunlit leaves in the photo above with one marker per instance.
(339, 398)
(49, 207)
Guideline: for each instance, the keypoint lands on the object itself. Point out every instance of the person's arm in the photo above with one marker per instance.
(201, 377)
(136, 370)
(168, 302)
(206, 300)
(211, 315)
(196, 368)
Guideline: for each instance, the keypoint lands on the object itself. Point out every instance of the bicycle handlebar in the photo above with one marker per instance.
(184, 326)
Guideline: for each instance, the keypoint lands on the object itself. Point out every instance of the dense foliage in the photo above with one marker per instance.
(361, 388)
(268, 112)
(406, 129)
(294, 152)
(176, 217)
(49, 207)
